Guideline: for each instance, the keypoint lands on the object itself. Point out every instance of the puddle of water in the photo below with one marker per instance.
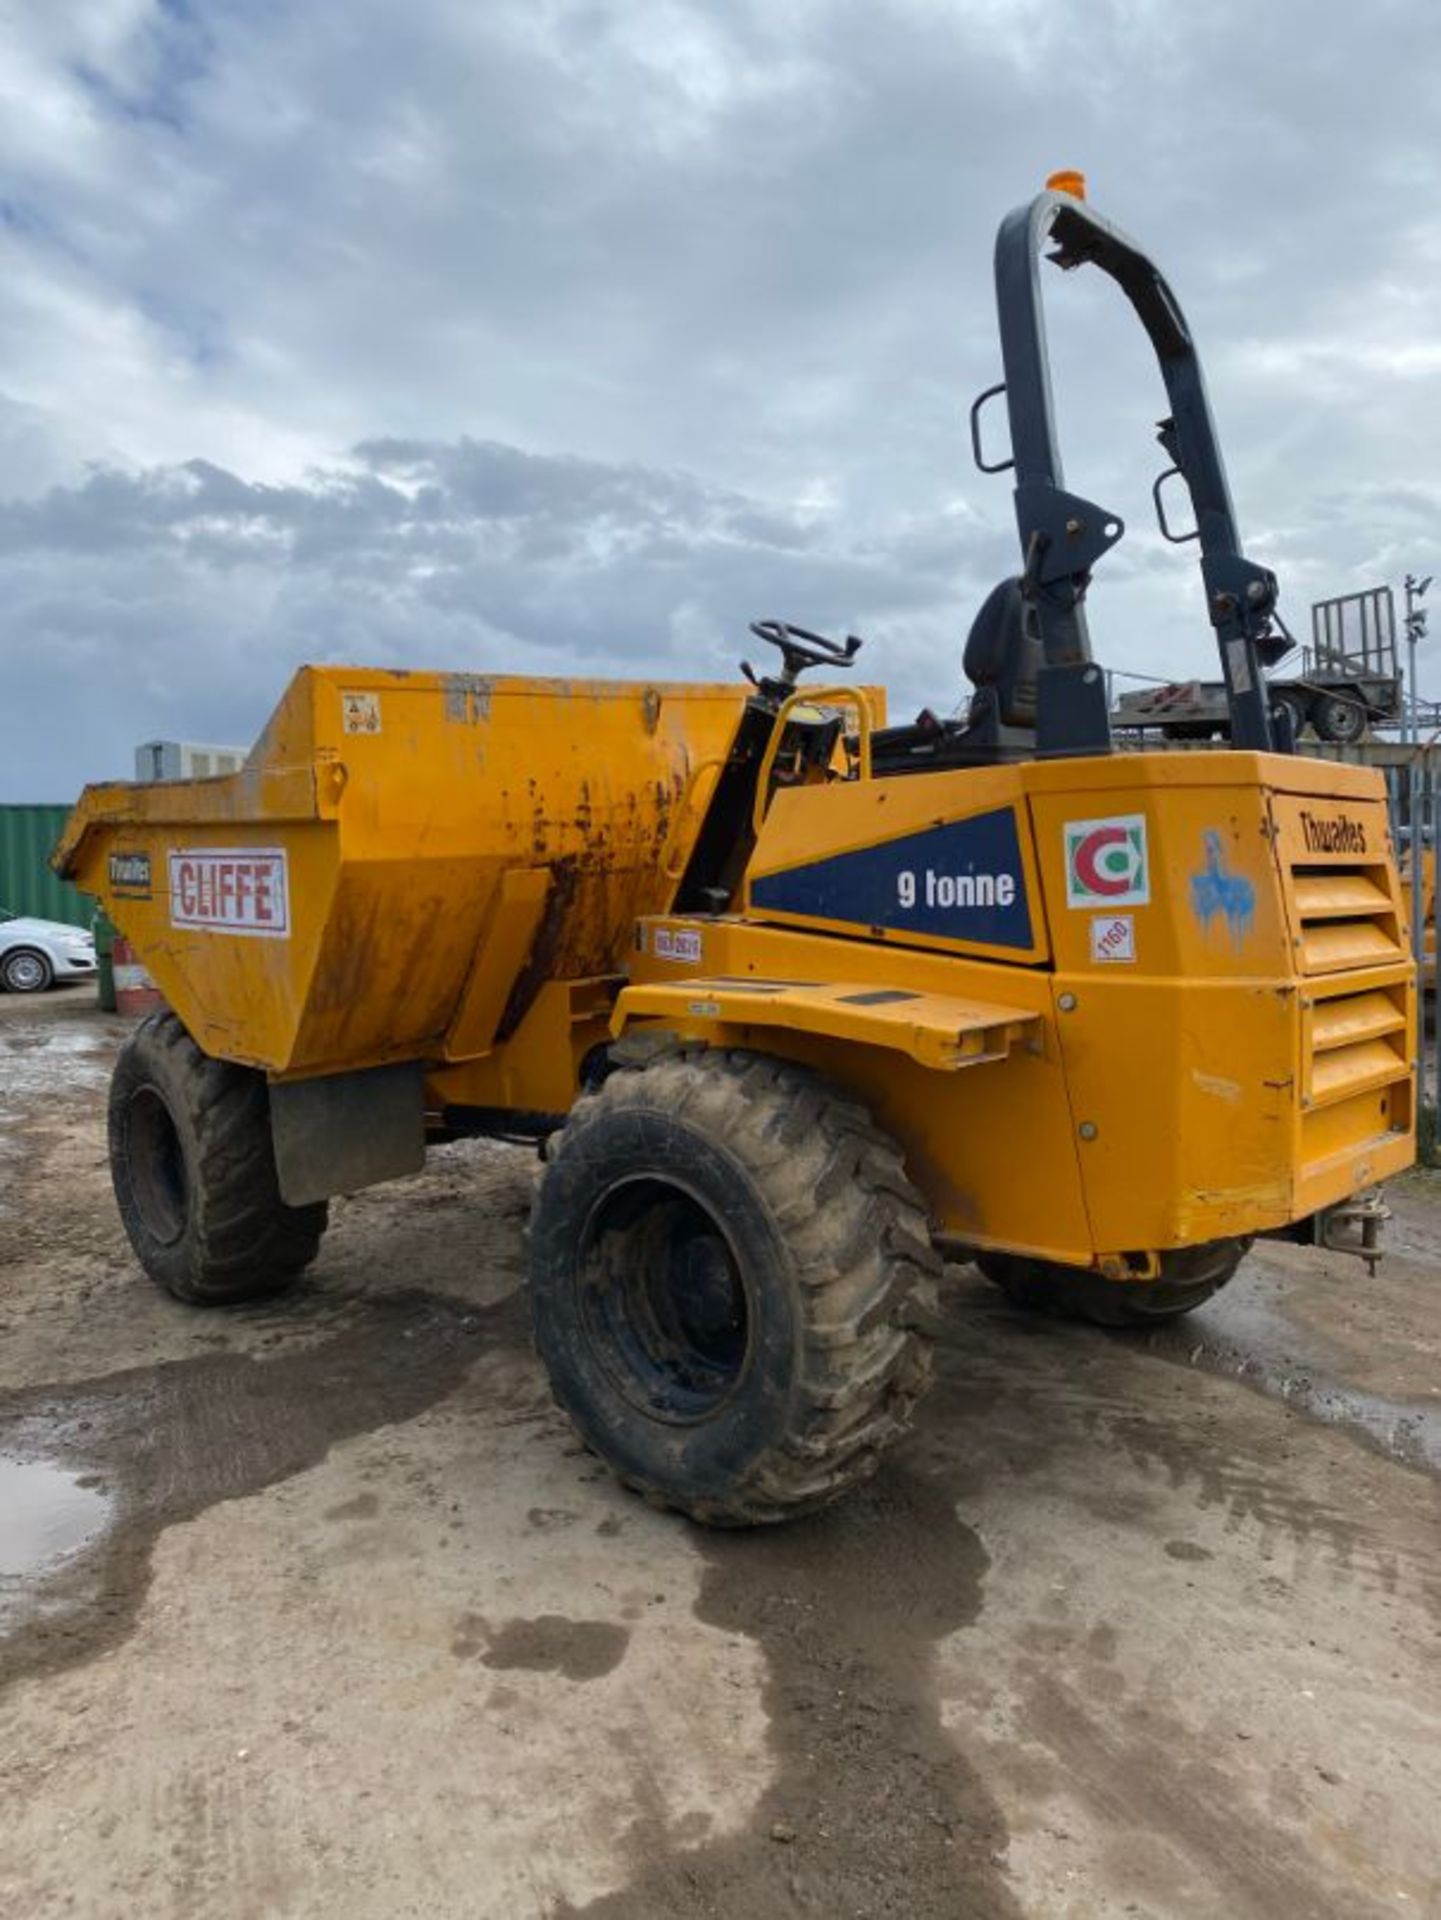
(45, 1514)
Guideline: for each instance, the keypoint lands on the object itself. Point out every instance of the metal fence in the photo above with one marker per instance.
(1414, 793)
(1353, 634)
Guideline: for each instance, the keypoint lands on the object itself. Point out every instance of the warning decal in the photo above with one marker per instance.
(360, 712)
(231, 889)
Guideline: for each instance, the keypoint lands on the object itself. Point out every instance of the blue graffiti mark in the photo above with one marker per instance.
(1215, 892)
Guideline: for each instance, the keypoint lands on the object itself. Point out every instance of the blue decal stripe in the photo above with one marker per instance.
(961, 881)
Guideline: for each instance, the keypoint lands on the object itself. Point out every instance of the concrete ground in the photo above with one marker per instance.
(317, 1608)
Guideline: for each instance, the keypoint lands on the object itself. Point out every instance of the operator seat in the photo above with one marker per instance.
(1002, 658)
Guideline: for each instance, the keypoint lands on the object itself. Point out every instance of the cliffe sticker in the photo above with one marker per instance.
(1106, 862)
(1113, 937)
(231, 889)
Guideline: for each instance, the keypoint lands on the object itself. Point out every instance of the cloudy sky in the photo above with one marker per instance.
(569, 335)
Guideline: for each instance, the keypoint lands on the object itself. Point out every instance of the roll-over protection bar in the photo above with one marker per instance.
(1062, 535)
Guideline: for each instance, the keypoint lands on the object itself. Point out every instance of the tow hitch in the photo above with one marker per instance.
(1354, 1226)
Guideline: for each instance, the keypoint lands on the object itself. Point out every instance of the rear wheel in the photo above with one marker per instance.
(194, 1172)
(726, 1266)
(26, 971)
(1188, 1278)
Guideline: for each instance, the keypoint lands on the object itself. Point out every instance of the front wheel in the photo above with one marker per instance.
(1188, 1278)
(25, 971)
(726, 1266)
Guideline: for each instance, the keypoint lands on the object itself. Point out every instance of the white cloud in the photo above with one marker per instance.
(179, 599)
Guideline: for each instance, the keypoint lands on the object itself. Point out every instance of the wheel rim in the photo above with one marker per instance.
(663, 1300)
(158, 1175)
(1343, 722)
(25, 973)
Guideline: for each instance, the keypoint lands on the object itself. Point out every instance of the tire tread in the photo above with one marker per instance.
(857, 1234)
(243, 1242)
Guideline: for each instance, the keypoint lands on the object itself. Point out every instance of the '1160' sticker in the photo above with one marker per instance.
(232, 889)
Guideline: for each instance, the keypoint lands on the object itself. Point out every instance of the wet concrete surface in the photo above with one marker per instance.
(872, 1808)
(174, 1439)
(1265, 1331)
(1139, 1625)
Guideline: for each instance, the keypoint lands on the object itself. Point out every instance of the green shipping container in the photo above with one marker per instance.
(27, 886)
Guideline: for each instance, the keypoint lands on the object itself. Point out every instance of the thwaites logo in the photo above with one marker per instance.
(1340, 834)
(1106, 862)
(130, 873)
(231, 889)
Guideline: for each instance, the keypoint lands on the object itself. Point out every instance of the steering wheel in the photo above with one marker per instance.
(800, 648)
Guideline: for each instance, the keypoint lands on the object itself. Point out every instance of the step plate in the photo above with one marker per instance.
(938, 1030)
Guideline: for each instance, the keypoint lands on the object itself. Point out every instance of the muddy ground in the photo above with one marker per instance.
(317, 1608)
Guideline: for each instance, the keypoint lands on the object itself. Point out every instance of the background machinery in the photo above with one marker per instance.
(798, 1002)
(1345, 682)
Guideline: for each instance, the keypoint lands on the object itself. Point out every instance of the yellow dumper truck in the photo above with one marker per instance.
(796, 1001)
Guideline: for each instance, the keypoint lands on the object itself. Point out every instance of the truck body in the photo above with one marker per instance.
(797, 1002)
(462, 906)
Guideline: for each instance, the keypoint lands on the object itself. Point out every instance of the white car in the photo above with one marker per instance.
(36, 954)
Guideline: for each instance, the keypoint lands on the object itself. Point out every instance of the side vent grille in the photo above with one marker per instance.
(1356, 988)
(1358, 1041)
(1347, 918)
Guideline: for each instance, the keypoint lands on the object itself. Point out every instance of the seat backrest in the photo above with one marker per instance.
(1003, 656)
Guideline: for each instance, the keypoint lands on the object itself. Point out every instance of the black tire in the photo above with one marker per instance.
(194, 1172)
(26, 970)
(1188, 1278)
(1340, 721)
(727, 1267)
(1295, 705)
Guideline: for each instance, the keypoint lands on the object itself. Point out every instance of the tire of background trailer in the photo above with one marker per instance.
(772, 1204)
(1339, 721)
(24, 970)
(1189, 1277)
(1296, 705)
(194, 1172)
